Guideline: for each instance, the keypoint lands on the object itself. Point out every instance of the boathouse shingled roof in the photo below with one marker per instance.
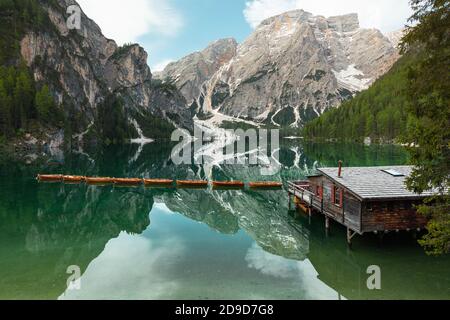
(375, 183)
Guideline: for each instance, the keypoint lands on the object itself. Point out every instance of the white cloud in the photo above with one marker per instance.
(127, 21)
(257, 10)
(158, 67)
(300, 272)
(386, 15)
(130, 267)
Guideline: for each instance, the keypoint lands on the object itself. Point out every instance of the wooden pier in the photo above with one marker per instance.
(364, 200)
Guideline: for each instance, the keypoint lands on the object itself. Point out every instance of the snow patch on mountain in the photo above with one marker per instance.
(294, 65)
(142, 140)
(352, 79)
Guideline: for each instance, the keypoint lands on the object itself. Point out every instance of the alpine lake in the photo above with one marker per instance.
(169, 243)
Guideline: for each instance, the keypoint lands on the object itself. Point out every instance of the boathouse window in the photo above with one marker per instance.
(337, 196)
(319, 192)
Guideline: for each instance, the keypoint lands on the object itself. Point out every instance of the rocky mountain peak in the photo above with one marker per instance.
(286, 17)
(289, 20)
(396, 36)
(83, 68)
(189, 73)
(295, 66)
(344, 23)
(221, 48)
(127, 67)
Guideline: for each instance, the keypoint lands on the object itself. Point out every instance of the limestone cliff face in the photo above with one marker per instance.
(296, 66)
(291, 69)
(82, 67)
(192, 71)
(395, 37)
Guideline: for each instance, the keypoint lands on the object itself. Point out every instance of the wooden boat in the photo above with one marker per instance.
(265, 185)
(73, 179)
(127, 181)
(50, 177)
(158, 182)
(192, 183)
(99, 181)
(228, 184)
(300, 205)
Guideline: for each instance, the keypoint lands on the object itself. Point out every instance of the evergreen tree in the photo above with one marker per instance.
(113, 120)
(379, 112)
(44, 104)
(411, 103)
(23, 95)
(429, 119)
(5, 112)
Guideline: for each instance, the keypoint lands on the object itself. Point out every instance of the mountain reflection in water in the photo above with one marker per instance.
(136, 243)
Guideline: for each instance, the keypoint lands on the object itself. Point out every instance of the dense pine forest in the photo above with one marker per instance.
(16, 17)
(23, 102)
(410, 104)
(379, 112)
(29, 106)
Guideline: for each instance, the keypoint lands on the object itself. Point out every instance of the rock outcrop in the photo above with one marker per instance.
(291, 69)
(83, 67)
(192, 71)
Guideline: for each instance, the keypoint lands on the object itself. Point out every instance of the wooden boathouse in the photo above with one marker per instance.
(365, 199)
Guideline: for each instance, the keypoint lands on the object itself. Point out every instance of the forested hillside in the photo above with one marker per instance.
(53, 82)
(22, 101)
(411, 104)
(379, 112)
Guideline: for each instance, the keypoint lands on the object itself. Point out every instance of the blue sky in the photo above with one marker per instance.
(203, 22)
(171, 29)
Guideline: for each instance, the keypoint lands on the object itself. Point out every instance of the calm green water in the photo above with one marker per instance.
(136, 243)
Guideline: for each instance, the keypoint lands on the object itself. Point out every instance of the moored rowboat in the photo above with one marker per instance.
(158, 182)
(228, 184)
(73, 179)
(50, 177)
(127, 182)
(103, 181)
(303, 207)
(192, 183)
(264, 185)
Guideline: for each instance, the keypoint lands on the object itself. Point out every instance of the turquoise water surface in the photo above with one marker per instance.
(138, 243)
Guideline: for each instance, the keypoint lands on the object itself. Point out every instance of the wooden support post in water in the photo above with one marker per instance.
(327, 225)
(350, 235)
(380, 238)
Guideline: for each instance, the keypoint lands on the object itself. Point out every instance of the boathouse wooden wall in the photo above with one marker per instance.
(378, 205)
(391, 216)
(348, 214)
(368, 216)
